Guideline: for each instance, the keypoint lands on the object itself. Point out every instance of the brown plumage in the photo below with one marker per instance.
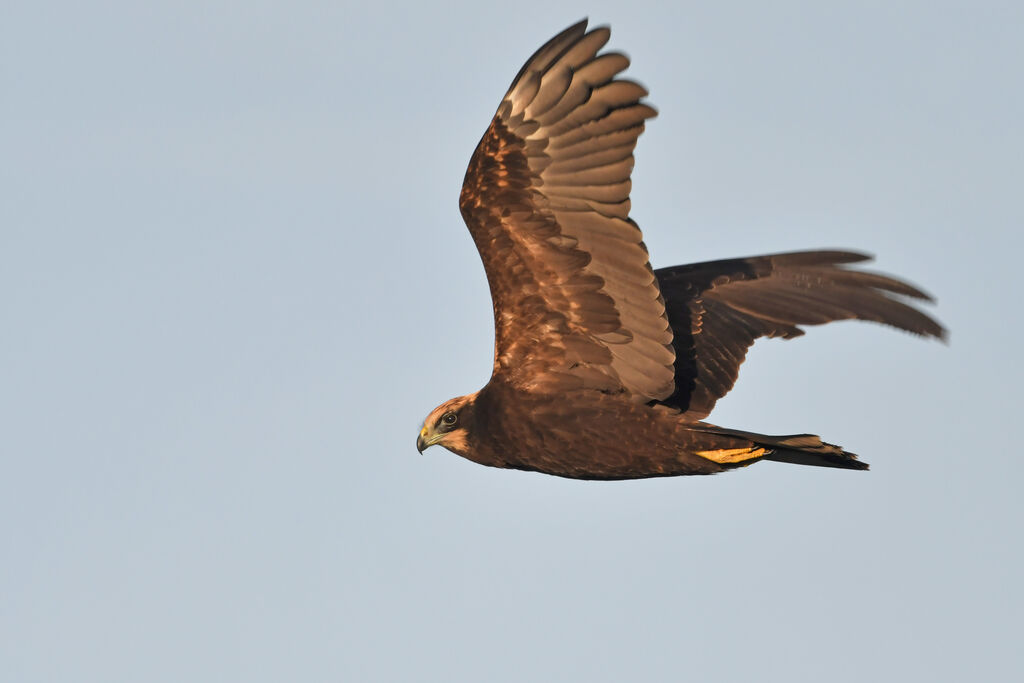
(603, 367)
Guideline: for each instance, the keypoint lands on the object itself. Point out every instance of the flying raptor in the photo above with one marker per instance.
(603, 367)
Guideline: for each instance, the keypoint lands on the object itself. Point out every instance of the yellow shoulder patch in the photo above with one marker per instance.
(731, 456)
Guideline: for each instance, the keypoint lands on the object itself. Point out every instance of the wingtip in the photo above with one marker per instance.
(579, 28)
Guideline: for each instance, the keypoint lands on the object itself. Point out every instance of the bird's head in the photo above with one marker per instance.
(448, 425)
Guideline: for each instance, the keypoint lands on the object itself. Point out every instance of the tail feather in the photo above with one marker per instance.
(799, 449)
(807, 449)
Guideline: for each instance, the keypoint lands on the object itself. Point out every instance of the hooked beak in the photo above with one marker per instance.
(426, 439)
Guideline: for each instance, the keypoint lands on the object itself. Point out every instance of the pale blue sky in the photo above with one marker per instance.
(234, 280)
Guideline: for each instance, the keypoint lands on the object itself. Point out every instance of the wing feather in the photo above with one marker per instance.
(610, 173)
(546, 199)
(590, 158)
(598, 117)
(718, 309)
(599, 70)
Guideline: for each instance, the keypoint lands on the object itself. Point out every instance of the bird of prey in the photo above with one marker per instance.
(603, 367)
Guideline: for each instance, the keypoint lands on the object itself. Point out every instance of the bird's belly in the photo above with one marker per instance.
(599, 447)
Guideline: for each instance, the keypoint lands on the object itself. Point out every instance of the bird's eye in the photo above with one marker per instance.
(449, 419)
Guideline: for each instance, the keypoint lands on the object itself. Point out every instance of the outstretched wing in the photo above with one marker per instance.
(546, 198)
(719, 308)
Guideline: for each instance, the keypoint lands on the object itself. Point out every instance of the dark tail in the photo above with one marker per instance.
(799, 449)
(807, 449)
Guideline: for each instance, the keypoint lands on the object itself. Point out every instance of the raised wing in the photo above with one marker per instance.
(719, 308)
(546, 198)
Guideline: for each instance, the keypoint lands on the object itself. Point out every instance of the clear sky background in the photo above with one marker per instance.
(234, 279)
